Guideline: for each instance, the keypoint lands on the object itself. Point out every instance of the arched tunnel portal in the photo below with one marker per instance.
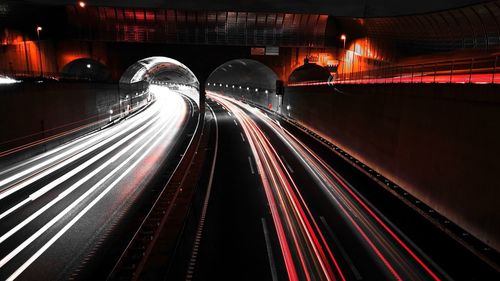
(86, 69)
(143, 79)
(246, 79)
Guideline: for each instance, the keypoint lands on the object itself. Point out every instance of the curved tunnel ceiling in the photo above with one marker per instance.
(353, 8)
(244, 72)
(159, 69)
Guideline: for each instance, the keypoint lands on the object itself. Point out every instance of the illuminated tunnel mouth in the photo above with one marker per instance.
(159, 71)
(243, 74)
(246, 79)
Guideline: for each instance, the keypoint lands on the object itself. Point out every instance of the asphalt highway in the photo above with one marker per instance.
(279, 211)
(57, 208)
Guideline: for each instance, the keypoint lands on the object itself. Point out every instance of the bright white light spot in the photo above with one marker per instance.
(88, 65)
(288, 107)
(8, 80)
(111, 111)
(248, 88)
(256, 89)
(267, 92)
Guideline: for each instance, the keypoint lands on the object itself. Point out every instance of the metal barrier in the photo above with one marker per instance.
(472, 70)
(46, 75)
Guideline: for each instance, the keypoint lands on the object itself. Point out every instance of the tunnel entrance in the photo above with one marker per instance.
(309, 73)
(86, 69)
(146, 78)
(246, 79)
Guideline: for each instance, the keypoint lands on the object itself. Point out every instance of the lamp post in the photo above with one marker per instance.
(38, 29)
(343, 38)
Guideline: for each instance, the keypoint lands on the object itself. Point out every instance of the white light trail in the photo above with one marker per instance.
(73, 172)
(85, 210)
(148, 138)
(66, 158)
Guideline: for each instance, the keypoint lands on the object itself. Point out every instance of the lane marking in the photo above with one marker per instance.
(251, 166)
(342, 251)
(287, 165)
(242, 137)
(270, 255)
(199, 231)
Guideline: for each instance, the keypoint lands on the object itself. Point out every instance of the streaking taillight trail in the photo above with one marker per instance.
(305, 250)
(306, 254)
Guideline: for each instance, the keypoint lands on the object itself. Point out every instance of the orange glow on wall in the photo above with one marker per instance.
(22, 58)
(360, 55)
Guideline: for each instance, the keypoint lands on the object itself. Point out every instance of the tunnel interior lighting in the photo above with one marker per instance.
(220, 85)
(343, 37)
(288, 107)
(208, 84)
(227, 85)
(88, 65)
(240, 87)
(266, 91)
(256, 89)
(39, 28)
(82, 4)
(233, 86)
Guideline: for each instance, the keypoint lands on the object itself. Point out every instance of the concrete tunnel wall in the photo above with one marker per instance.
(439, 142)
(32, 111)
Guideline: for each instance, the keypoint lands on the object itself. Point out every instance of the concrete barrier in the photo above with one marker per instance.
(32, 112)
(440, 142)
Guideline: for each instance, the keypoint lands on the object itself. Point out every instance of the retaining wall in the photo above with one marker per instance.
(440, 142)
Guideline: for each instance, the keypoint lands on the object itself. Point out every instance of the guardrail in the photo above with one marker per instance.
(473, 70)
(46, 75)
(151, 232)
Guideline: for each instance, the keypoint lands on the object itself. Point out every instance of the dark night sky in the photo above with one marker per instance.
(355, 8)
